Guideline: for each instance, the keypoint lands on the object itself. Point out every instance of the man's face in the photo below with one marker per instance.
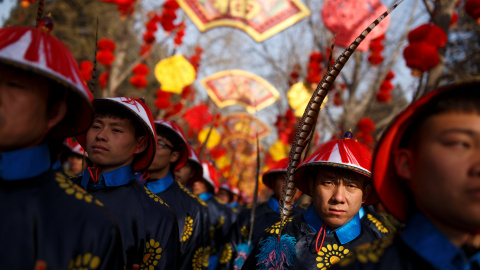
(443, 170)
(24, 117)
(164, 155)
(199, 187)
(184, 174)
(277, 186)
(111, 143)
(337, 199)
(76, 163)
(223, 195)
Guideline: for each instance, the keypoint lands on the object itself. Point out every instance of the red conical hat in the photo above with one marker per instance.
(142, 113)
(37, 51)
(74, 146)
(176, 129)
(279, 167)
(210, 174)
(193, 157)
(347, 154)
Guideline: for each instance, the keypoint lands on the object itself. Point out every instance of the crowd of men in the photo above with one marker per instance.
(134, 195)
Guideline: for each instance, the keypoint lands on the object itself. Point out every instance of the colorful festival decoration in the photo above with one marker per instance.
(244, 125)
(260, 19)
(174, 73)
(240, 87)
(347, 18)
(298, 98)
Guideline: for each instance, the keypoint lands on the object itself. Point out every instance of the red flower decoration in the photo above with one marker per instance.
(421, 56)
(106, 44)
(198, 116)
(105, 57)
(162, 100)
(375, 58)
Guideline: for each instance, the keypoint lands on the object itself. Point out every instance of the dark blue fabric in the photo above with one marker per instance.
(114, 178)
(273, 204)
(428, 242)
(160, 185)
(24, 163)
(345, 234)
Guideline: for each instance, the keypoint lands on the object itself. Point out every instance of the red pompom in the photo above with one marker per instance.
(383, 96)
(171, 4)
(149, 37)
(390, 75)
(421, 56)
(106, 44)
(105, 57)
(386, 86)
(141, 69)
(454, 19)
(162, 100)
(375, 58)
(138, 81)
(429, 33)
(103, 79)
(316, 57)
(86, 68)
(151, 26)
(173, 110)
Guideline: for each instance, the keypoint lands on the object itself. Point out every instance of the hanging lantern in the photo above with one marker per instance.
(174, 73)
(421, 56)
(430, 33)
(472, 8)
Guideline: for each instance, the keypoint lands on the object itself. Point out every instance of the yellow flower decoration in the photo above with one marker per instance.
(154, 196)
(244, 231)
(151, 255)
(275, 228)
(75, 190)
(226, 254)
(377, 223)
(206, 256)
(329, 255)
(220, 222)
(191, 194)
(197, 262)
(187, 229)
(86, 261)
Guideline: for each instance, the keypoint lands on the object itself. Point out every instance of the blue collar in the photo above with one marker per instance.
(160, 185)
(273, 204)
(345, 234)
(24, 163)
(234, 204)
(118, 177)
(205, 196)
(428, 242)
(361, 212)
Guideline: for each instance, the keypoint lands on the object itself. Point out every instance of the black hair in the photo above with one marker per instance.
(348, 176)
(463, 98)
(116, 111)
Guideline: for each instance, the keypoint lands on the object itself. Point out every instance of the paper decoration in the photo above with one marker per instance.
(174, 73)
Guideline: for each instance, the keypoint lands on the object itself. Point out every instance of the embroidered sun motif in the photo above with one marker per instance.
(244, 232)
(151, 255)
(220, 222)
(369, 252)
(377, 223)
(219, 201)
(276, 227)
(197, 261)
(329, 255)
(154, 196)
(226, 254)
(74, 190)
(191, 194)
(86, 261)
(206, 256)
(187, 229)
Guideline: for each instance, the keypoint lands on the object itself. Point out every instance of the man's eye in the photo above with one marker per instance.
(95, 127)
(460, 144)
(117, 130)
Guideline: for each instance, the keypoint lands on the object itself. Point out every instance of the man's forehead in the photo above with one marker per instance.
(112, 121)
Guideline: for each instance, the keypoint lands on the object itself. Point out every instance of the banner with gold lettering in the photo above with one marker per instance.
(261, 19)
(240, 87)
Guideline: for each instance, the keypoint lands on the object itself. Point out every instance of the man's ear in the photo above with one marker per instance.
(141, 144)
(366, 192)
(56, 114)
(403, 159)
(174, 156)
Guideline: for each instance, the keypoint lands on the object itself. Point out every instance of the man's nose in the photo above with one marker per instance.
(339, 194)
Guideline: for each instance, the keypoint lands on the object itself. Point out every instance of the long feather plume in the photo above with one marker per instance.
(91, 84)
(41, 5)
(309, 119)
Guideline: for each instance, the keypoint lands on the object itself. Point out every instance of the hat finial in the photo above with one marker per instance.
(348, 135)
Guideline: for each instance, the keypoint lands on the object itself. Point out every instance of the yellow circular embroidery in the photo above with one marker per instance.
(86, 261)
(329, 255)
(244, 231)
(377, 223)
(151, 255)
(191, 194)
(226, 254)
(187, 229)
(154, 196)
(74, 190)
(197, 262)
(206, 256)
(275, 228)
(370, 252)
(220, 222)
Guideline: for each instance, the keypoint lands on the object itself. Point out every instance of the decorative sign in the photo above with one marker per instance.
(244, 125)
(240, 87)
(348, 18)
(261, 19)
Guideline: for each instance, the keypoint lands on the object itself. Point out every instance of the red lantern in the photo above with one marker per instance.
(383, 96)
(138, 81)
(141, 69)
(421, 56)
(366, 124)
(429, 33)
(472, 8)
(106, 44)
(105, 57)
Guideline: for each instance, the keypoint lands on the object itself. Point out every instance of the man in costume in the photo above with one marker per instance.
(219, 215)
(76, 159)
(47, 221)
(337, 176)
(192, 170)
(172, 153)
(266, 214)
(426, 172)
(121, 141)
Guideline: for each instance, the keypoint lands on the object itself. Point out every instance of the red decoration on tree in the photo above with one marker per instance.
(103, 79)
(86, 68)
(386, 87)
(162, 100)
(376, 48)
(173, 110)
(141, 69)
(314, 69)
(138, 81)
(286, 126)
(365, 127)
(106, 44)
(430, 34)
(124, 7)
(198, 116)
